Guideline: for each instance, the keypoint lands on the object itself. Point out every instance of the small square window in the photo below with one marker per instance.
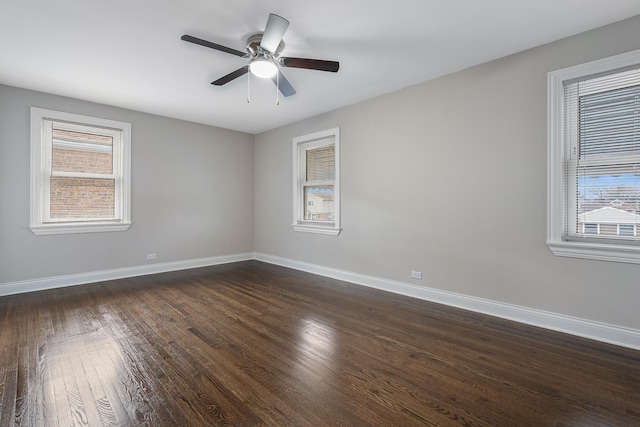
(627, 230)
(591, 228)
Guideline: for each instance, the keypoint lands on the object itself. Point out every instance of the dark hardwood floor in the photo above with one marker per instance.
(254, 344)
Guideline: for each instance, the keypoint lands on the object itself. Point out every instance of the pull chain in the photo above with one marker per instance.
(248, 87)
(278, 87)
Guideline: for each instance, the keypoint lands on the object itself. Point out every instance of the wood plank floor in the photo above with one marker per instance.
(250, 344)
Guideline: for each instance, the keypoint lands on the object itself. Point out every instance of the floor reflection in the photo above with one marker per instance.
(82, 377)
(317, 355)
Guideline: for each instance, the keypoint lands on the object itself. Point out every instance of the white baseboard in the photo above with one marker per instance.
(612, 334)
(118, 273)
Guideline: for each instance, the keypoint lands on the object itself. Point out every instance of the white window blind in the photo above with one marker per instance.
(602, 152)
(321, 163)
(318, 186)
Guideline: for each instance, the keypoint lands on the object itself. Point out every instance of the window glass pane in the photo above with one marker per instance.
(626, 230)
(608, 161)
(608, 200)
(81, 152)
(82, 198)
(591, 228)
(318, 203)
(596, 190)
(321, 163)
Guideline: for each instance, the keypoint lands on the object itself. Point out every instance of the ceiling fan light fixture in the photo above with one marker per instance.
(263, 68)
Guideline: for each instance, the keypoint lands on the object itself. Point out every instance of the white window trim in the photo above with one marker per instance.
(299, 224)
(38, 222)
(604, 251)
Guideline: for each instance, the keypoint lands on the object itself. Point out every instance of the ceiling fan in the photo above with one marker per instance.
(263, 53)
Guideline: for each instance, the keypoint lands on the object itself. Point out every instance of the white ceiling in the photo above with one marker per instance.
(128, 53)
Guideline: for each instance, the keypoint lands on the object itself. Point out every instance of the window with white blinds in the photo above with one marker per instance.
(316, 184)
(602, 120)
(79, 173)
(594, 160)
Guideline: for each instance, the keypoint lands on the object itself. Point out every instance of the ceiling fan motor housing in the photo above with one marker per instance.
(254, 50)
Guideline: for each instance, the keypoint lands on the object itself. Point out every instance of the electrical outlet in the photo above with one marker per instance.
(151, 256)
(416, 274)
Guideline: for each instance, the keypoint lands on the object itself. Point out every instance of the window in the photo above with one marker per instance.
(80, 173)
(627, 229)
(316, 183)
(594, 159)
(590, 228)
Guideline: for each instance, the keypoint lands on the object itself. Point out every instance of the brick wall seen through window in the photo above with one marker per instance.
(75, 197)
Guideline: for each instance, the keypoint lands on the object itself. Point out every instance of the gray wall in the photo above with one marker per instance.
(449, 178)
(192, 194)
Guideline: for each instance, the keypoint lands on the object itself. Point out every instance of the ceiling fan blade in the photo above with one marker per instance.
(310, 64)
(273, 32)
(283, 84)
(212, 45)
(231, 76)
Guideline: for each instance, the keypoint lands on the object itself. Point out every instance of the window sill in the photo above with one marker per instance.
(70, 228)
(597, 251)
(305, 228)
